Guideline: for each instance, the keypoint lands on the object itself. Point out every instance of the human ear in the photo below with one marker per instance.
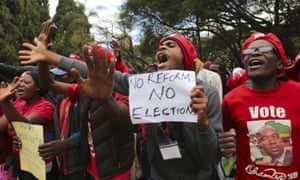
(279, 65)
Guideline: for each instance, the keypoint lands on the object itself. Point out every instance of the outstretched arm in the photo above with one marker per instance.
(38, 53)
(8, 72)
(99, 82)
(99, 85)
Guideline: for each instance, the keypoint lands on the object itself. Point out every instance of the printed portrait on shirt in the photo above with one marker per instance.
(270, 142)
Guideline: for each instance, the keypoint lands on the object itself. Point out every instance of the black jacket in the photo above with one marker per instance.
(77, 157)
(113, 145)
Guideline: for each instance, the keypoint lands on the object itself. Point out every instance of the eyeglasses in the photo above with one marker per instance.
(262, 49)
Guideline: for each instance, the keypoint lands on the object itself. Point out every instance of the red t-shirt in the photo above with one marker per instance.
(121, 66)
(41, 107)
(74, 94)
(248, 111)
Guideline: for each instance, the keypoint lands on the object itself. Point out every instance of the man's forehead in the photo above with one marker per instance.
(168, 41)
(260, 42)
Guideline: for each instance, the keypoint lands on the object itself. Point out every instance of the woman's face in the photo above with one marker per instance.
(27, 89)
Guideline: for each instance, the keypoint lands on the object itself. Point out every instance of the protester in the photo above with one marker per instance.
(293, 71)
(264, 98)
(120, 64)
(238, 77)
(219, 67)
(206, 64)
(226, 168)
(5, 150)
(211, 78)
(111, 135)
(197, 141)
(71, 152)
(30, 107)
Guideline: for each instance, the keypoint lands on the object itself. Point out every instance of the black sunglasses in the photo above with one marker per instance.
(262, 49)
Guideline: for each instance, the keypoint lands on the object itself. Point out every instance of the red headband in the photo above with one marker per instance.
(187, 48)
(272, 38)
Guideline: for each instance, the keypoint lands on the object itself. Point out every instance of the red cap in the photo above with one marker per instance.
(75, 56)
(109, 55)
(237, 78)
(187, 48)
(291, 71)
(272, 38)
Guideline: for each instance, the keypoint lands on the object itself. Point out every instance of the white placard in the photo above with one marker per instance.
(161, 96)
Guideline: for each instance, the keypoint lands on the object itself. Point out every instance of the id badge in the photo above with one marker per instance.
(170, 150)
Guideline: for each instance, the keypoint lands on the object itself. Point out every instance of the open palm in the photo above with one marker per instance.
(99, 82)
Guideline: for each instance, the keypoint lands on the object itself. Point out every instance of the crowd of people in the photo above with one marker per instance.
(246, 121)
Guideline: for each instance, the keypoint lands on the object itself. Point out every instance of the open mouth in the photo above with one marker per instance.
(275, 149)
(20, 92)
(162, 57)
(255, 63)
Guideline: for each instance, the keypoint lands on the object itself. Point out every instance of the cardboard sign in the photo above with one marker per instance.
(31, 136)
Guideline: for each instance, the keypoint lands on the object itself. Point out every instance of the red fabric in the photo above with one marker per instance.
(75, 56)
(279, 105)
(206, 64)
(291, 71)
(92, 167)
(121, 66)
(121, 98)
(123, 176)
(64, 121)
(188, 50)
(73, 92)
(272, 38)
(42, 107)
(109, 54)
(236, 79)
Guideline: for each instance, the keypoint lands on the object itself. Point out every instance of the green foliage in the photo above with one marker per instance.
(72, 28)
(20, 22)
(228, 23)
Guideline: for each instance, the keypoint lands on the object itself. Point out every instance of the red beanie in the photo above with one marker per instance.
(187, 48)
(109, 55)
(272, 38)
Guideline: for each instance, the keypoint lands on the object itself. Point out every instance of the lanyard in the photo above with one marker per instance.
(64, 117)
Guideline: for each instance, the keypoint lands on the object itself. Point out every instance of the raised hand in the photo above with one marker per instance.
(7, 90)
(38, 53)
(199, 103)
(45, 34)
(35, 54)
(99, 82)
